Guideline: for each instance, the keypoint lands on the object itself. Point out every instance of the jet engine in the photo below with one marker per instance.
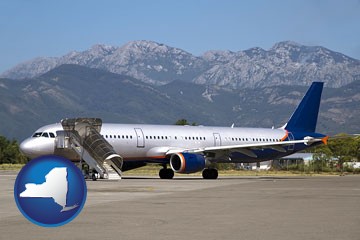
(187, 162)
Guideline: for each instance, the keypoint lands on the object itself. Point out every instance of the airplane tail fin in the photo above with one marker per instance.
(305, 117)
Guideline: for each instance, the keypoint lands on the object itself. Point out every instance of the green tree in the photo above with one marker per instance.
(357, 147)
(10, 153)
(344, 148)
(184, 122)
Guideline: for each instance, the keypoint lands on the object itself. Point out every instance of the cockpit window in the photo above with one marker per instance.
(37, 134)
(45, 134)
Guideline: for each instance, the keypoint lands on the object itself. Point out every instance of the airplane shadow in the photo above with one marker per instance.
(270, 178)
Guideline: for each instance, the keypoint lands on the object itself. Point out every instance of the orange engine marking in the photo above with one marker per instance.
(182, 159)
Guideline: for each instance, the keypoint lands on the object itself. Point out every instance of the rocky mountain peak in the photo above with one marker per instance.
(145, 46)
(102, 49)
(288, 45)
(309, 54)
(155, 63)
(218, 56)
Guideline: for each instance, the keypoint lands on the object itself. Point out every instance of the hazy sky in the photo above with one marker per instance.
(32, 28)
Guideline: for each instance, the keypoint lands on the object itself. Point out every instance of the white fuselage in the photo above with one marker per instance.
(142, 142)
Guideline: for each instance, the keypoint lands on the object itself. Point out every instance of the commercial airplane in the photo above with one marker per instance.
(189, 149)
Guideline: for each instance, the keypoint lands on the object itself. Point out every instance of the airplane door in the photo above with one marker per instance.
(291, 138)
(217, 139)
(140, 138)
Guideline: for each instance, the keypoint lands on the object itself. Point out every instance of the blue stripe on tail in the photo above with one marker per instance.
(305, 116)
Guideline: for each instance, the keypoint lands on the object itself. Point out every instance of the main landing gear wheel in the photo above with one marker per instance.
(93, 177)
(166, 173)
(210, 173)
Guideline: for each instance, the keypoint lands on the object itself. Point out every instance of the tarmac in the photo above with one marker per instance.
(193, 208)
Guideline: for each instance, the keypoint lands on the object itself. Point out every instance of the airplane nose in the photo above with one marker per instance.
(27, 147)
(35, 147)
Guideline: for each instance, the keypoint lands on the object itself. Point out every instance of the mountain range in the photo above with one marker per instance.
(286, 63)
(72, 90)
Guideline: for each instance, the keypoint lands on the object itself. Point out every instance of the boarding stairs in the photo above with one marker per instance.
(82, 136)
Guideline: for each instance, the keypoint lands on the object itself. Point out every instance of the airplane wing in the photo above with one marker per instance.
(247, 148)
